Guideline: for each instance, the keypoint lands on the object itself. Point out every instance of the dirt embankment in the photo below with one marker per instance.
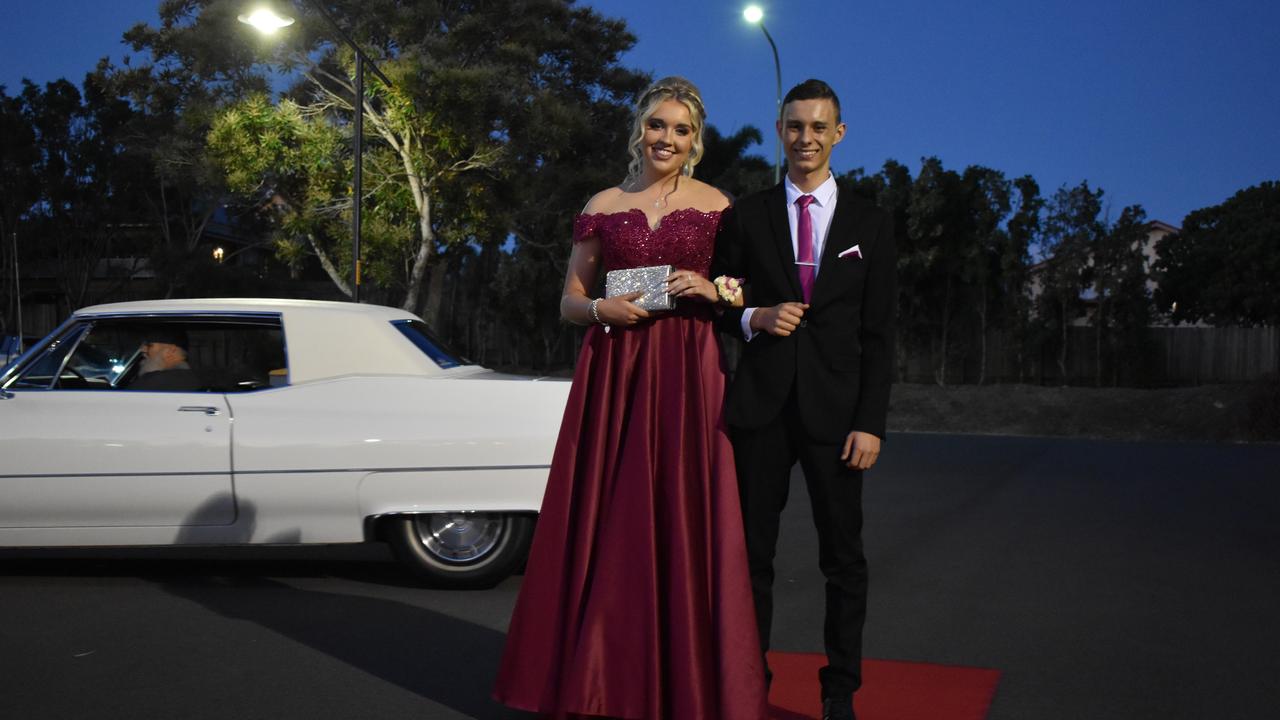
(1212, 413)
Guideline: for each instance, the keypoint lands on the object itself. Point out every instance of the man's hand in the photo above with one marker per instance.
(860, 450)
(780, 320)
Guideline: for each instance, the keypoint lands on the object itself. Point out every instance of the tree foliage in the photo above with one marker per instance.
(68, 187)
(482, 96)
(1073, 226)
(990, 200)
(1017, 315)
(1224, 266)
(292, 170)
(187, 68)
(1122, 311)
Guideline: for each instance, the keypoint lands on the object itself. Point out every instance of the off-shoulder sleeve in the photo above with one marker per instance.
(584, 227)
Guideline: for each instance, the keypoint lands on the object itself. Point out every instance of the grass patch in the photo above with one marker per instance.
(1210, 413)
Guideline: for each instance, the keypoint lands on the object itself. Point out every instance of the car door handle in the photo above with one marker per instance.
(206, 409)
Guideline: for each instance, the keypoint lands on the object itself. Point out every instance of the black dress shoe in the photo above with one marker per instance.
(838, 709)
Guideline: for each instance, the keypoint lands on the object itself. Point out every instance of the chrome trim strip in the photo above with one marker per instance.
(456, 468)
(219, 314)
(469, 511)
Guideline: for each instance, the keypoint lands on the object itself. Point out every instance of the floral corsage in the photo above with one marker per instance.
(728, 288)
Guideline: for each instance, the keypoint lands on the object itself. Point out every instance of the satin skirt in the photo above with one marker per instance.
(636, 602)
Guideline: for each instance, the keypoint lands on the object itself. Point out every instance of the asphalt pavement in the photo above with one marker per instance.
(1106, 580)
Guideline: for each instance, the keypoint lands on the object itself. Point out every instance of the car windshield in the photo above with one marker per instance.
(421, 336)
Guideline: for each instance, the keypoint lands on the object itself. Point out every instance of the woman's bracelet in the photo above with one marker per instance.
(728, 288)
(594, 310)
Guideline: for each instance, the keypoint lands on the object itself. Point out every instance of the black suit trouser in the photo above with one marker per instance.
(764, 459)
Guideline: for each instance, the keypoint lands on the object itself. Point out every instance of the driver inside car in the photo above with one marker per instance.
(164, 362)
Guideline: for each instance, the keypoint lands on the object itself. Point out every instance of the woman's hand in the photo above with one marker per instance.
(691, 284)
(621, 310)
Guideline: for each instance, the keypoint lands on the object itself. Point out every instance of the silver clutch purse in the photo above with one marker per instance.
(649, 280)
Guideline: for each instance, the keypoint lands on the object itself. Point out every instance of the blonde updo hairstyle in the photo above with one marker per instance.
(668, 88)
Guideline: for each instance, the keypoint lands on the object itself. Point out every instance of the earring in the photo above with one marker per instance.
(687, 168)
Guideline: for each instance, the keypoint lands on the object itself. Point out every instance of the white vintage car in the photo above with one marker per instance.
(313, 422)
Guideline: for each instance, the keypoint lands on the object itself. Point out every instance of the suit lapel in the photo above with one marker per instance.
(781, 231)
(839, 237)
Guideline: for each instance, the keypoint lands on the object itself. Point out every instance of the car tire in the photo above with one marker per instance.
(461, 550)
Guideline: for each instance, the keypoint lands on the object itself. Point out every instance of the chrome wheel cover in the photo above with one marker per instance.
(460, 538)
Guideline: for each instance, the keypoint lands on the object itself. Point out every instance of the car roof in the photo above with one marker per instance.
(324, 339)
(243, 305)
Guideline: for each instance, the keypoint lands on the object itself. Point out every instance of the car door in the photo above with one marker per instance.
(77, 450)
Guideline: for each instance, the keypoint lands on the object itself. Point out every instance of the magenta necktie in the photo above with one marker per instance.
(804, 245)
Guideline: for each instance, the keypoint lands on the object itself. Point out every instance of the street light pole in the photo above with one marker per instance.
(754, 14)
(268, 21)
(357, 184)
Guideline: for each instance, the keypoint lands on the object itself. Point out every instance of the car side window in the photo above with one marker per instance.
(44, 369)
(102, 356)
(239, 356)
(164, 353)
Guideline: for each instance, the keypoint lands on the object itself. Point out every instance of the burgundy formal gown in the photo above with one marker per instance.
(637, 602)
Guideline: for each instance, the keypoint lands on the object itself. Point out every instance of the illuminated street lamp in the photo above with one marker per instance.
(754, 15)
(267, 21)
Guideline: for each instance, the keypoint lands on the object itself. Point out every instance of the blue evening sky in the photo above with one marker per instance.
(1163, 103)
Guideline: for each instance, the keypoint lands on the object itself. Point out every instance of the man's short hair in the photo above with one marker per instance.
(813, 89)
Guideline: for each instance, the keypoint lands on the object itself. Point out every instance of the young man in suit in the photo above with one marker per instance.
(818, 270)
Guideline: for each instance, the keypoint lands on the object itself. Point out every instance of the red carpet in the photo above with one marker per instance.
(891, 690)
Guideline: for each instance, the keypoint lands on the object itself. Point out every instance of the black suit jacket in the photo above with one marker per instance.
(839, 362)
(173, 379)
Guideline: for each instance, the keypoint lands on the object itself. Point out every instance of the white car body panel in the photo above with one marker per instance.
(131, 459)
(381, 423)
(368, 425)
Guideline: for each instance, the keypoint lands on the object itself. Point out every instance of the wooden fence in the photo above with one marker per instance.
(1218, 355)
(1171, 356)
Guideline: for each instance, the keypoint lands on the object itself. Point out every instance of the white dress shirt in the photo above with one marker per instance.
(821, 210)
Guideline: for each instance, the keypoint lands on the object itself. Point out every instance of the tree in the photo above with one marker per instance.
(1224, 266)
(471, 83)
(73, 197)
(1072, 227)
(890, 189)
(989, 203)
(726, 164)
(1015, 262)
(1123, 302)
(567, 140)
(290, 168)
(937, 235)
(190, 68)
(19, 191)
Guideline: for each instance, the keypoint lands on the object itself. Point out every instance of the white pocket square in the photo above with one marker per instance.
(855, 250)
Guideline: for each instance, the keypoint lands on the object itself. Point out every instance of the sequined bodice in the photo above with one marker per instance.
(683, 239)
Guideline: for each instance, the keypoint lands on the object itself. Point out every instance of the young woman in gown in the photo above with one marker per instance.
(636, 602)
